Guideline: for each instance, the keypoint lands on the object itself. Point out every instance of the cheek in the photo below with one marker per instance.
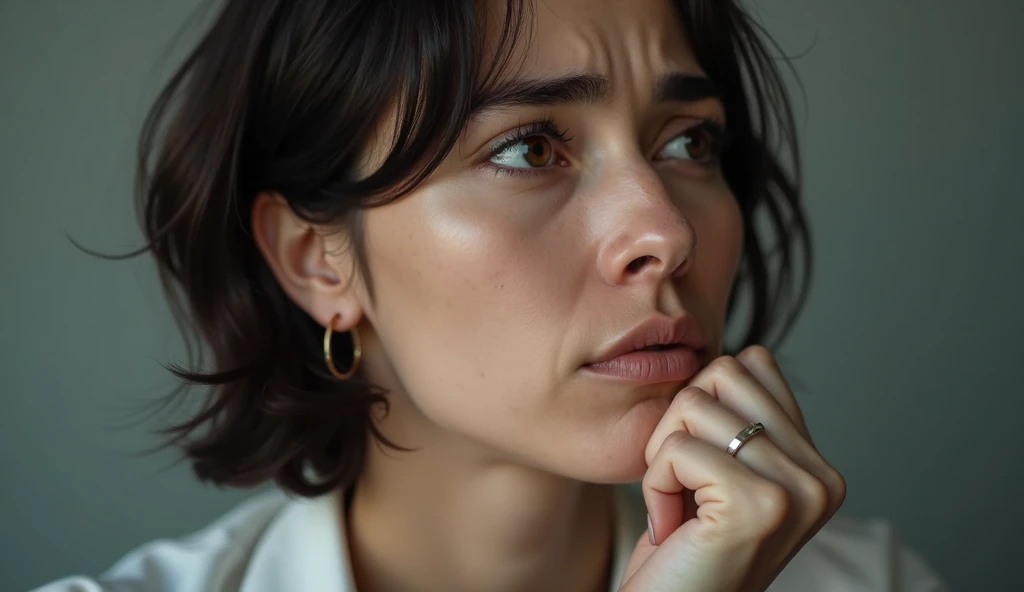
(476, 303)
(719, 229)
(465, 301)
(713, 211)
(718, 224)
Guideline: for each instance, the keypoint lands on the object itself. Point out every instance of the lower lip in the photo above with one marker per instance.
(650, 367)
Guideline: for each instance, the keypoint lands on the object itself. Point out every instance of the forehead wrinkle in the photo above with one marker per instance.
(567, 45)
(584, 36)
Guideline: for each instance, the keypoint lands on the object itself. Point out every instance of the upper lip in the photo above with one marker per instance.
(684, 331)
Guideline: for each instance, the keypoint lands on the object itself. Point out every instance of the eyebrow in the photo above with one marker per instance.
(586, 89)
(572, 89)
(686, 88)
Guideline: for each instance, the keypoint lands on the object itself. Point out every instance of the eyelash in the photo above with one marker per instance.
(545, 127)
(720, 137)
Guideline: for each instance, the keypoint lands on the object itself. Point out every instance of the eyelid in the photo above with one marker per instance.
(542, 127)
(721, 135)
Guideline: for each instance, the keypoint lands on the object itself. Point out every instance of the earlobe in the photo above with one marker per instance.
(317, 276)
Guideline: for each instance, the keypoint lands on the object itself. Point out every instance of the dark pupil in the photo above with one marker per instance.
(697, 146)
(538, 151)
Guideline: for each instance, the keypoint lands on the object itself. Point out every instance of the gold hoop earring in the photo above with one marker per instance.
(357, 351)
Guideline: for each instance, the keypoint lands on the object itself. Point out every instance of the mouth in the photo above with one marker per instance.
(661, 349)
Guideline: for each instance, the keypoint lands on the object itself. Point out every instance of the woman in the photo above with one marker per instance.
(461, 268)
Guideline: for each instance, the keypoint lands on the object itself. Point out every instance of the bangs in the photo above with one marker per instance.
(420, 81)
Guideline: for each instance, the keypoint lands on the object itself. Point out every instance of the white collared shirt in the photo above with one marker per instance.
(273, 543)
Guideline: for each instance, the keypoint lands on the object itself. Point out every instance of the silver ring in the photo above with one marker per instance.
(741, 438)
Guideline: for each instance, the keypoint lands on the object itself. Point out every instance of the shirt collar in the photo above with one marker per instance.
(300, 550)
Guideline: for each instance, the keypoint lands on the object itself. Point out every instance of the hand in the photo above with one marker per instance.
(724, 523)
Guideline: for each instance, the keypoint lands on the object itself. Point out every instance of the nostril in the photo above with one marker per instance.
(638, 263)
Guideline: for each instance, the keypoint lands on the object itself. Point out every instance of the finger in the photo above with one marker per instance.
(643, 549)
(762, 365)
(703, 416)
(729, 494)
(737, 511)
(708, 419)
(730, 382)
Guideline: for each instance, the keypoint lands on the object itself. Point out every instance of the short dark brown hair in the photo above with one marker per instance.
(282, 96)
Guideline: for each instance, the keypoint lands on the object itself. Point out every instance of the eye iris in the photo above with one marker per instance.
(697, 144)
(538, 151)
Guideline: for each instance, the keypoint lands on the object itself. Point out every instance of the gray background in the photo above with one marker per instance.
(906, 354)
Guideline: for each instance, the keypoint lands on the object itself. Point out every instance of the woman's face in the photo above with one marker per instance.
(557, 225)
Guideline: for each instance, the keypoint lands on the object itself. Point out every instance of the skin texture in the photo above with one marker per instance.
(491, 292)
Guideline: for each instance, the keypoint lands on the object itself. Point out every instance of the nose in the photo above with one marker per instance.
(647, 238)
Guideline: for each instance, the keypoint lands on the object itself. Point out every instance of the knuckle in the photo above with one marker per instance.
(692, 396)
(676, 440)
(672, 448)
(815, 494)
(772, 504)
(724, 366)
(650, 452)
(757, 354)
(836, 484)
(646, 483)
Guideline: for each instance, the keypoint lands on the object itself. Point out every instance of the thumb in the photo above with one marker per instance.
(643, 550)
(682, 562)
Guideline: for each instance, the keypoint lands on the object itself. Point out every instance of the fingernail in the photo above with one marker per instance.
(650, 530)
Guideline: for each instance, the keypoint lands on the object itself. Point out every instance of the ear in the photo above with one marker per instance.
(314, 267)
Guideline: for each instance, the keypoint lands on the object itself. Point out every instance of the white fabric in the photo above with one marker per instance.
(273, 543)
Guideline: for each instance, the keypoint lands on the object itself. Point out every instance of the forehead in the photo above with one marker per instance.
(623, 40)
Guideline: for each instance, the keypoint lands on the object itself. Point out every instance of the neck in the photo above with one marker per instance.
(449, 517)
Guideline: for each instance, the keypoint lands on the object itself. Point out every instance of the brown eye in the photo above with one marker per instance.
(700, 143)
(532, 152)
(538, 151)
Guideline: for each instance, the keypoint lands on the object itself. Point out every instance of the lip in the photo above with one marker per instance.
(625, 358)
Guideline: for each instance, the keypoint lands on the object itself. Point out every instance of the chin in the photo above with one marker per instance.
(626, 466)
(608, 474)
(617, 454)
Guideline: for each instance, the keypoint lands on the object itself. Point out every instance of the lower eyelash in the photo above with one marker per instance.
(517, 172)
